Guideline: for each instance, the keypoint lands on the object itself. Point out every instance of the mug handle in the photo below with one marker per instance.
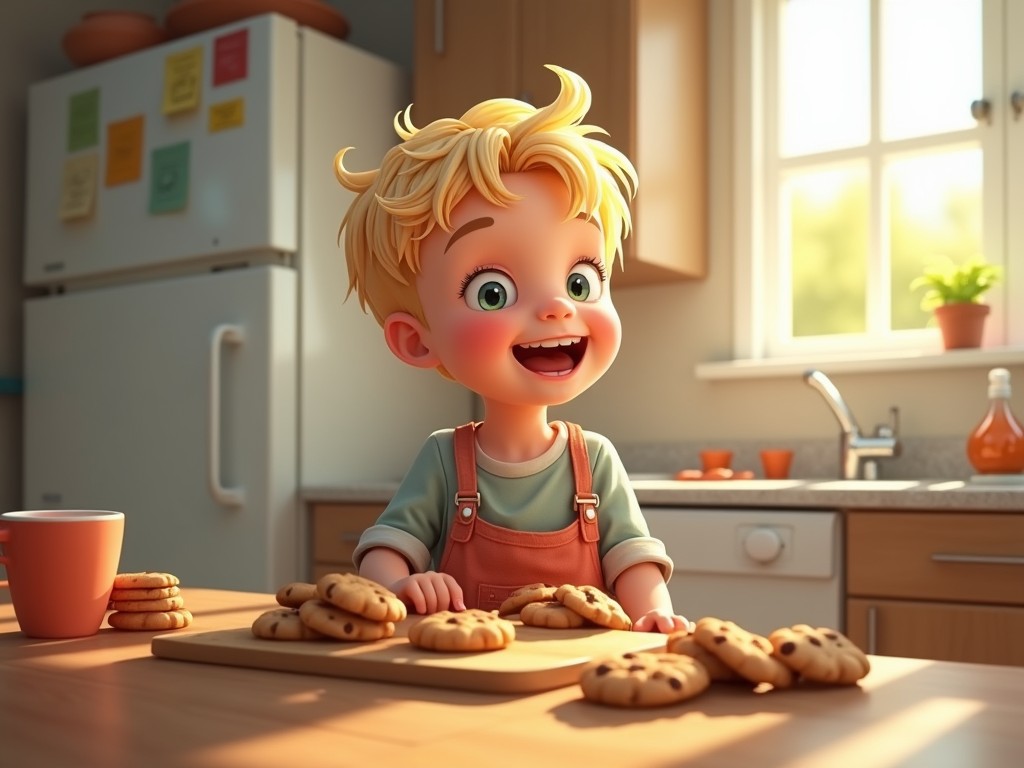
(5, 535)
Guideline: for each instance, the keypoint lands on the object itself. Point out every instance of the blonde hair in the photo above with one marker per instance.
(423, 178)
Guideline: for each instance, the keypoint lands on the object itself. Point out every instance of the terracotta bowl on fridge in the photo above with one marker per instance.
(103, 35)
(187, 17)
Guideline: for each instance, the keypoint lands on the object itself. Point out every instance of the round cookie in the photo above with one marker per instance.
(821, 655)
(462, 631)
(152, 593)
(643, 679)
(594, 605)
(151, 621)
(149, 606)
(295, 594)
(328, 619)
(145, 580)
(550, 615)
(283, 624)
(746, 653)
(682, 642)
(361, 596)
(531, 593)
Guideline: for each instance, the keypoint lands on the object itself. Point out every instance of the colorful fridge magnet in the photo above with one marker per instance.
(84, 120)
(183, 73)
(227, 114)
(124, 151)
(78, 186)
(231, 57)
(168, 188)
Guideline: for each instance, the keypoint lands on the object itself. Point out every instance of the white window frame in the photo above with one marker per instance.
(1004, 341)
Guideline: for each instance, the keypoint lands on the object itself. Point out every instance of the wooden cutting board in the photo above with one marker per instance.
(537, 660)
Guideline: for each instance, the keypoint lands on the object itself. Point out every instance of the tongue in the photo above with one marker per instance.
(546, 361)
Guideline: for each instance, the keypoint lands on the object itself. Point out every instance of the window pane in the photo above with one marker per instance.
(824, 78)
(828, 231)
(931, 66)
(935, 214)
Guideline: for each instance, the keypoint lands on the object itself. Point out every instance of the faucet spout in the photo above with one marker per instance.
(858, 454)
(819, 381)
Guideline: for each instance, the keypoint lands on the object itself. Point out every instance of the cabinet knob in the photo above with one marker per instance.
(763, 545)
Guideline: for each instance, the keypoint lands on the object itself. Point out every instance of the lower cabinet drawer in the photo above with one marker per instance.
(943, 631)
(957, 557)
(335, 529)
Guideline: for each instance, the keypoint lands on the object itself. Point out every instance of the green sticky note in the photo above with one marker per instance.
(84, 120)
(168, 188)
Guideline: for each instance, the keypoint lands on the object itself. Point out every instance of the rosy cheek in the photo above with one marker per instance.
(481, 334)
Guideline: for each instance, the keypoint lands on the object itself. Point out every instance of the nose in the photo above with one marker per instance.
(557, 308)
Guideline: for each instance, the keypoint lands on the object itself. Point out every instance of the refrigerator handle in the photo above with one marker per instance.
(222, 334)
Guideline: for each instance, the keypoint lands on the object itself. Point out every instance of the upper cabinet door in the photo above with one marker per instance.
(466, 51)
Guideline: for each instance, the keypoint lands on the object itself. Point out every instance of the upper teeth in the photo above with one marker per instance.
(553, 343)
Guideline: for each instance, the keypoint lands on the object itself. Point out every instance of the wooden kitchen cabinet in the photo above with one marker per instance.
(646, 64)
(936, 585)
(335, 529)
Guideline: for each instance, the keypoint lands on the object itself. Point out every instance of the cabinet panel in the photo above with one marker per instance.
(944, 631)
(466, 51)
(968, 557)
(334, 533)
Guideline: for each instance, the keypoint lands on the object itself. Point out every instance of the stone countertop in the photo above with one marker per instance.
(789, 494)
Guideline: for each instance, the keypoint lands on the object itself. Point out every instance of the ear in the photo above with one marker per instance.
(407, 339)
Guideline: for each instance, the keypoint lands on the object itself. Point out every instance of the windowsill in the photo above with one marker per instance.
(879, 363)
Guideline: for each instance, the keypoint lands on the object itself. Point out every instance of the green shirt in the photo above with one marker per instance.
(531, 496)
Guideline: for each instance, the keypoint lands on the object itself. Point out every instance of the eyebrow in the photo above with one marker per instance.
(469, 226)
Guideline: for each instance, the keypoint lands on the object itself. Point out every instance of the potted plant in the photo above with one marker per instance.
(954, 295)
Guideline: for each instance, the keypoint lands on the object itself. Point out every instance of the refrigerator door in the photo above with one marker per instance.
(175, 402)
(179, 156)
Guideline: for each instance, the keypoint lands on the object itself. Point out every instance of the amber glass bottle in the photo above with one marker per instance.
(997, 444)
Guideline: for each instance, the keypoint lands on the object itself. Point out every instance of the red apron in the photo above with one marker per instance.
(490, 562)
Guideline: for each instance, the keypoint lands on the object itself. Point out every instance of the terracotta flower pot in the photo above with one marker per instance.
(962, 325)
(103, 35)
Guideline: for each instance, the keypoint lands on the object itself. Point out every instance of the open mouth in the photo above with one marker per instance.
(552, 357)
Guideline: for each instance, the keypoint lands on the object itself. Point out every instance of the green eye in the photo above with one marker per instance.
(489, 290)
(584, 283)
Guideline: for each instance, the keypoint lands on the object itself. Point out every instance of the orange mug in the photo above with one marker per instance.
(61, 565)
(715, 459)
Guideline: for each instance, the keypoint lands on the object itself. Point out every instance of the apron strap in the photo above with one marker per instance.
(585, 500)
(467, 498)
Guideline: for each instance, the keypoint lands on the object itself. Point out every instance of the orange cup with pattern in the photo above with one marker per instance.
(60, 567)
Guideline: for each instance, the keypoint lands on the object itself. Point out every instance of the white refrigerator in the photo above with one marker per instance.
(190, 358)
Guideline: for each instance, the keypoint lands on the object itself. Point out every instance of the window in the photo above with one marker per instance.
(874, 137)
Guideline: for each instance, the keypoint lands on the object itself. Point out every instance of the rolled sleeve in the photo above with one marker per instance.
(640, 549)
(405, 544)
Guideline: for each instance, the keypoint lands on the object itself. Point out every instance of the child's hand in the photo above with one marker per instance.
(430, 592)
(662, 621)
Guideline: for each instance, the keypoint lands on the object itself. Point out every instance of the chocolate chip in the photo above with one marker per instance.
(787, 648)
(675, 683)
(719, 639)
(815, 641)
(604, 669)
(349, 628)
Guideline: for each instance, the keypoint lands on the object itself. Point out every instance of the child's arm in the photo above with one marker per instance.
(427, 592)
(643, 594)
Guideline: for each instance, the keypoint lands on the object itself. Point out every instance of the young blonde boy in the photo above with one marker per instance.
(483, 247)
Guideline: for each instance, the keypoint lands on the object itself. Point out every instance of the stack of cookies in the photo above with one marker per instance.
(720, 650)
(340, 606)
(565, 607)
(147, 601)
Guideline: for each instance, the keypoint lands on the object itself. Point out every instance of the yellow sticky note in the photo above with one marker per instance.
(183, 78)
(78, 186)
(227, 114)
(124, 151)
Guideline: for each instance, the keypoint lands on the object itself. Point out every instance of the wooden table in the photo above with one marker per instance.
(106, 701)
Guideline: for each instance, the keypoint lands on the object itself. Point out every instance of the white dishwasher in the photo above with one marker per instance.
(760, 568)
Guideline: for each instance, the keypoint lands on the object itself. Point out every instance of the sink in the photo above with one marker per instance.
(649, 480)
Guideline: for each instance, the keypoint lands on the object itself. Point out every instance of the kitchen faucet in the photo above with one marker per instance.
(858, 454)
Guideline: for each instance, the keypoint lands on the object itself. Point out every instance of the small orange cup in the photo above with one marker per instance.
(61, 565)
(776, 463)
(715, 459)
